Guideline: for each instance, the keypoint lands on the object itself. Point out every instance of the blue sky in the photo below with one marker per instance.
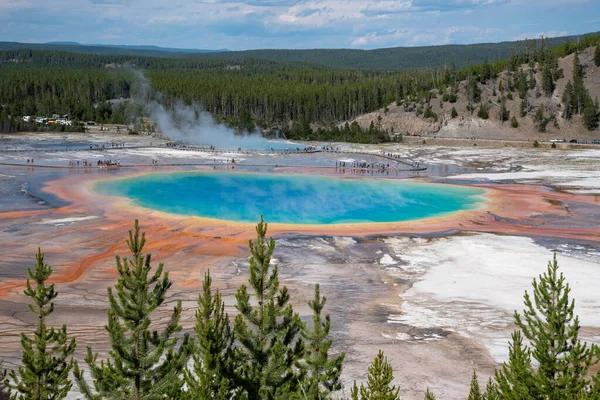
(254, 24)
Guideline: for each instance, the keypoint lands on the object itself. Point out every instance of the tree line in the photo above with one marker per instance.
(269, 352)
(386, 59)
(248, 93)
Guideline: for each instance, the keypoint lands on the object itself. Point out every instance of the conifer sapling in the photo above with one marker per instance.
(47, 356)
(142, 363)
(213, 364)
(323, 374)
(267, 329)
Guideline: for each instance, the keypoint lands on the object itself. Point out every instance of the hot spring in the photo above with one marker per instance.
(291, 199)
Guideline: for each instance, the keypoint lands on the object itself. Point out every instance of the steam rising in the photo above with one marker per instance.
(192, 124)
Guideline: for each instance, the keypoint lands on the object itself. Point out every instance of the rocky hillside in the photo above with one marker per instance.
(406, 120)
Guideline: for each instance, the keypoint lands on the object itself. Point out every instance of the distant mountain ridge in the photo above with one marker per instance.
(102, 49)
(393, 58)
(137, 47)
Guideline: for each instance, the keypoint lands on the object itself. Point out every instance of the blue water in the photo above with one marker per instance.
(294, 199)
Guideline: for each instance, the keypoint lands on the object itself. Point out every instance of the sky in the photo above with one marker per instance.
(293, 24)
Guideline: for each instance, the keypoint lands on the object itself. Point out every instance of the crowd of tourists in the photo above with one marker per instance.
(415, 164)
(109, 163)
(381, 167)
(84, 163)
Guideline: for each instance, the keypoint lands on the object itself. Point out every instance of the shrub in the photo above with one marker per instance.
(513, 122)
(483, 111)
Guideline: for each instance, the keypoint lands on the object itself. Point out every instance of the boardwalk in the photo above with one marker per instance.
(412, 165)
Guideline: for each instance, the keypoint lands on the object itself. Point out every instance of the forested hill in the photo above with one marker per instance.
(73, 47)
(539, 88)
(393, 58)
(396, 58)
(32, 59)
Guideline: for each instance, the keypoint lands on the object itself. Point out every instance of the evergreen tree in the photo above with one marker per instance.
(483, 111)
(323, 374)
(523, 108)
(269, 333)
(580, 93)
(567, 47)
(491, 391)
(548, 322)
(504, 113)
(2, 376)
(46, 357)
(590, 114)
(532, 80)
(577, 68)
(379, 382)
(453, 113)
(473, 92)
(486, 71)
(515, 381)
(211, 377)
(540, 119)
(547, 80)
(513, 122)
(568, 100)
(429, 395)
(142, 364)
(597, 55)
(474, 391)
(521, 83)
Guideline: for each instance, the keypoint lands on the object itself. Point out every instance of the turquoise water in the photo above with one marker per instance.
(294, 199)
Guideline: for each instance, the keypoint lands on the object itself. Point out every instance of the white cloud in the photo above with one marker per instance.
(537, 35)
(287, 23)
(419, 37)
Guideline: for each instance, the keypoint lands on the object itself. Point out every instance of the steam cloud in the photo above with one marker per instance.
(192, 124)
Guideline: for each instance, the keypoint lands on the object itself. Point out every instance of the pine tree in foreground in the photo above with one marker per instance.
(491, 391)
(429, 395)
(323, 374)
(379, 383)
(474, 391)
(3, 396)
(47, 355)
(516, 378)
(142, 364)
(268, 333)
(211, 376)
(549, 324)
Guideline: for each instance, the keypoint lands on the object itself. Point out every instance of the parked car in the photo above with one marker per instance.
(573, 141)
(596, 141)
(557, 140)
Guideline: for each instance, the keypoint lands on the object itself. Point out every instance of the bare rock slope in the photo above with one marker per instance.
(467, 125)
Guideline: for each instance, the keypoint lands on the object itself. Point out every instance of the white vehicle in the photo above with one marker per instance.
(557, 140)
